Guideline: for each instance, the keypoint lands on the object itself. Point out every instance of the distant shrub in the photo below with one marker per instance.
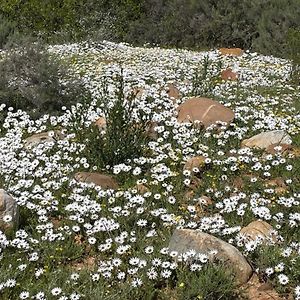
(258, 25)
(47, 16)
(32, 80)
(293, 49)
(69, 20)
(275, 19)
(8, 31)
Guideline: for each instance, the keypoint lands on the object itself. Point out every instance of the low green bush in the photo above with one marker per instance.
(33, 80)
(214, 281)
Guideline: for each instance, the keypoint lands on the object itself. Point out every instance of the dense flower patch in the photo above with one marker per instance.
(76, 240)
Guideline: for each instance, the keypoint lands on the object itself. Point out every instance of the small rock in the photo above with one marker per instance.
(280, 190)
(257, 229)
(101, 123)
(195, 183)
(105, 181)
(283, 149)
(142, 189)
(204, 110)
(173, 92)
(295, 152)
(150, 130)
(239, 182)
(231, 51)
(194, 162)
(228, 74)
(10, 209)
(43, 137)
(265, 139)
(204, 200)
(256, 290)
(201, 207)
(184, 240)
(137, 92)
(277, 182)
(188, 195)
(88, 263)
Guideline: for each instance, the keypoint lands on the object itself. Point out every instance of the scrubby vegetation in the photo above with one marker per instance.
(32, 80)
(258, 25)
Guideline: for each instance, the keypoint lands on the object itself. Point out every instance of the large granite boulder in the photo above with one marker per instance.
(265, 139)
(9, 211)
(105, 181)
(204, 110)
(184, 240)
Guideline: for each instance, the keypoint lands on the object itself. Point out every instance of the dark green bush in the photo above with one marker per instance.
(31, 80)
(8, 31)
(124, 137)
(66, 20)
(275, 19)
(293, 50)
(259, 25)
(46, 16)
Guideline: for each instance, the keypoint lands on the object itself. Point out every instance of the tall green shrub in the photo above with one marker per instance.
(293, 49)
(124, 137)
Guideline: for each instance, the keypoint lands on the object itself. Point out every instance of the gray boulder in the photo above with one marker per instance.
(9, 211)
(184, 240)
(265, 139)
